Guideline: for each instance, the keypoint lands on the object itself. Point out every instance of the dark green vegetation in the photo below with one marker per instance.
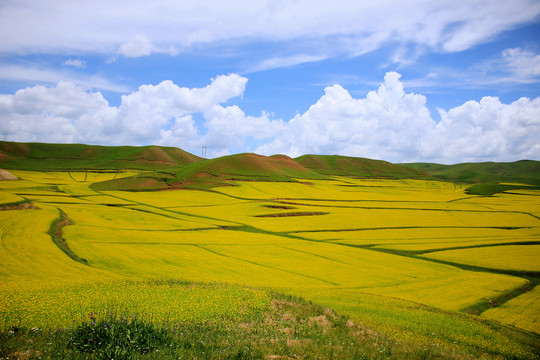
(55, 231)
(358, 167)
(39, 157)
(291, 328)
(117, 338)
(523, 171)
(491, 188)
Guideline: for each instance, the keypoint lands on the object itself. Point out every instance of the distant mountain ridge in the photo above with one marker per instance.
(170, 167)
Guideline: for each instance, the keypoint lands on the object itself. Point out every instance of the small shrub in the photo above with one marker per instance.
(117, 338)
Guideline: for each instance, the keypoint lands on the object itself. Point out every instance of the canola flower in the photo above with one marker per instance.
(158, 302)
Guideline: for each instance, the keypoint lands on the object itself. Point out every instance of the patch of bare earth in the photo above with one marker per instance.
(301, 213)
(6, 175)
(20, 206)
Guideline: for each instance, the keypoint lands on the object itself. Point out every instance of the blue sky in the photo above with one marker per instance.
(445, 81)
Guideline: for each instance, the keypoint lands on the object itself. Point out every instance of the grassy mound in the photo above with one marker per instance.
(357, 167)
(40, 156)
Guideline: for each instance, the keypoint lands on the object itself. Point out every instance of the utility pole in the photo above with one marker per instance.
(203, 152)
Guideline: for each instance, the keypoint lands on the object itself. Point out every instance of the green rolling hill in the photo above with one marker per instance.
(41, 156)
(358, 167)
(523, 171)
(170, 167)
(250, 167)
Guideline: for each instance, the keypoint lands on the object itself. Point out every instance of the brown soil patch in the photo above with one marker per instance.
(148, 184)
(4, 157)
(301, 213)
(6, 175)
(298, 342)
(21, 206)
(320, 320)
(204, 175)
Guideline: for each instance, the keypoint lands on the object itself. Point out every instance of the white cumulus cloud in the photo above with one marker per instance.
(393, 125)
(78, 63)
(139, 45)
(486, 130)
(228, 127)
(153, 114)
(388, 123)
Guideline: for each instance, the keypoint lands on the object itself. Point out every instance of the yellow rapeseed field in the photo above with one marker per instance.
(508, 257)
(522, 311)
(9, 198)
(426, 238)
(28, 255)
(166, 303)
(326, 240)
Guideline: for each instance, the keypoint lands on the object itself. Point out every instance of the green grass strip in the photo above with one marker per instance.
(55, 231)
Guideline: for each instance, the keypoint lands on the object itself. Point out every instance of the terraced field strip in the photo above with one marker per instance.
(424, 240)
(28, 255)
(521, 311)
(519, 257)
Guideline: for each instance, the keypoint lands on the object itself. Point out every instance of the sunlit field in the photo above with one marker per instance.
(521, 311)
(411, 258)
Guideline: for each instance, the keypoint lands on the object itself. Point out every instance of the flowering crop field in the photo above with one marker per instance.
(367, 248)
(521, 311)
(509, 257)
(166, 302)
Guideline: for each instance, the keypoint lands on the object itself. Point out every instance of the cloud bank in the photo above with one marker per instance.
(388, 123)
(393, 125)
(319, 28)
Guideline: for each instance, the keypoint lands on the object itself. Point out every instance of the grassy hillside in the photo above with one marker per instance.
(523, 171)
(250, 167)
(358, 167)
(41, 156)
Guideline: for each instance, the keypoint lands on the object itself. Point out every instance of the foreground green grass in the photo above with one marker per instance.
(287, 328)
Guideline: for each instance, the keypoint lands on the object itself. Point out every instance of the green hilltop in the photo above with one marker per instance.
(523, 171)
(358, 167)
(488, 177)
(41, 156)
(247, 167)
